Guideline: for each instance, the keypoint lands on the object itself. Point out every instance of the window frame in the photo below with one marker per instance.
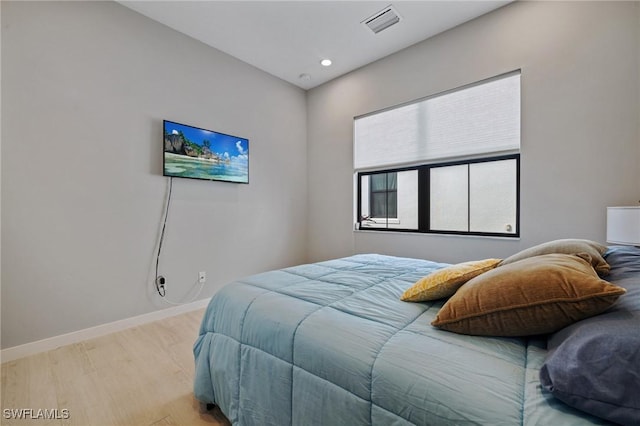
(424, 196)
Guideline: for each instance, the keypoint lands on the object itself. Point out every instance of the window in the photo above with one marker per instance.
(394, 207)
(383, 196)
(478, 197)
(449, 163)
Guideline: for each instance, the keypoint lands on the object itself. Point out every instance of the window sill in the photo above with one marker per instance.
(378, 222)
(426, 234)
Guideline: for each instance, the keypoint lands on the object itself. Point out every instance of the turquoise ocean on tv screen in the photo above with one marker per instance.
(235, 170)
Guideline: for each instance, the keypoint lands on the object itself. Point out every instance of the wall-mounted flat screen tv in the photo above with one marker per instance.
(196, 153)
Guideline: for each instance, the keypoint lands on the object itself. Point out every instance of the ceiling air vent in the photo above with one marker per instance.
(382, 20)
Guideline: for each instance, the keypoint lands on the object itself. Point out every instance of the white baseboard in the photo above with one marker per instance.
(50, 343)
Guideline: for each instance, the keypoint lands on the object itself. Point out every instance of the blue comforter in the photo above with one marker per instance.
(330, 343)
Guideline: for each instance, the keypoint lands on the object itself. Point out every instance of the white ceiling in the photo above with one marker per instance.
(289, 38)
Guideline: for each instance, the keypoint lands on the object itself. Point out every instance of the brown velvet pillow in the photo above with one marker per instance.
(537, 295)
(566, 246)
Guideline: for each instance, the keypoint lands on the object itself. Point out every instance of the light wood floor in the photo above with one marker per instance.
(139, 376)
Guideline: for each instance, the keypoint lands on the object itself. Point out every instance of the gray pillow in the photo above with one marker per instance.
(566, 246)
(594, 364)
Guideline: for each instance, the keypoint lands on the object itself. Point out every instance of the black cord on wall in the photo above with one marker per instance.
(159, 278)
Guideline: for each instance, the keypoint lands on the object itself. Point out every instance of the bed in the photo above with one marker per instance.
(331, 343)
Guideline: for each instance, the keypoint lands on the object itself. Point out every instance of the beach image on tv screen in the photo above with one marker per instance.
(197, 153)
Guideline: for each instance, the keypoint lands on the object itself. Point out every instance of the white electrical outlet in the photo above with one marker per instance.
(202, 277)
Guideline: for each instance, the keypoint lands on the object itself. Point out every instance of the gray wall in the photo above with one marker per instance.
(580, 66)
(85, 86)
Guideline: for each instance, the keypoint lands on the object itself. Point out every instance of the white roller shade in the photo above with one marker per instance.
(482, 118)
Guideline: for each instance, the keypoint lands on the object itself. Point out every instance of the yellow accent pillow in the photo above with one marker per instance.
(446, 281)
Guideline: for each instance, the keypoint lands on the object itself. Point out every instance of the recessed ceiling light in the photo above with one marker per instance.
(325, 62)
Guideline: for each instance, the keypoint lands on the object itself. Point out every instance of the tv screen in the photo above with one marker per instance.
(196, 153)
